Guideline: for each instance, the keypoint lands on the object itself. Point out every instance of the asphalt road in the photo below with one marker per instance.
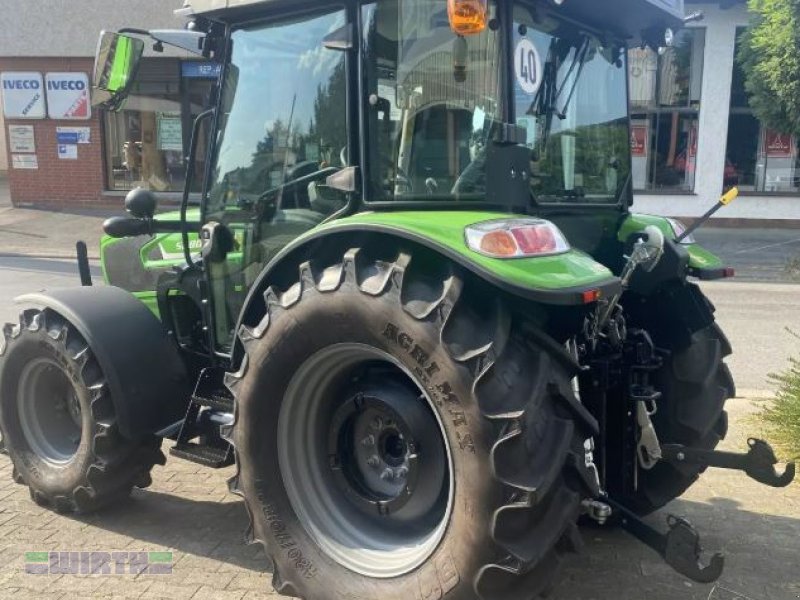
(22, 275)
(754, 315)
(757, 254)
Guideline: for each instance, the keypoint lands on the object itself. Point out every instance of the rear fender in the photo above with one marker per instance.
(701, 263)
(147, 378)
(558, 281)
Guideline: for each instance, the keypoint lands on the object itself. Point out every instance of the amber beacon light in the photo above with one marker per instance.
(467, 17)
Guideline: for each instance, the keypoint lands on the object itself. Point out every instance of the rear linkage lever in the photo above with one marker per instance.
(759, 462)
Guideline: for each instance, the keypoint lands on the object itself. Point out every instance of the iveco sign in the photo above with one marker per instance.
(68, 96)
(23, 95)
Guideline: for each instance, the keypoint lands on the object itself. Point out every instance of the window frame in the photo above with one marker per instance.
(655, 113)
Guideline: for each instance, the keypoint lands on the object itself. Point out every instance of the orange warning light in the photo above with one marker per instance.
(467, 17)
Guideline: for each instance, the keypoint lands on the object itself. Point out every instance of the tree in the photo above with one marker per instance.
(769, 53)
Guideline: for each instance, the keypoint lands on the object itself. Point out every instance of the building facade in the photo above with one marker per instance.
(694, 136)
(692, 133)
(61, 152)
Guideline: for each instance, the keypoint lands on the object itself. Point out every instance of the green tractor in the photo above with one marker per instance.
(412, 308)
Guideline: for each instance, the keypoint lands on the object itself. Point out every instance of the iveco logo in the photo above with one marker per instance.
(72, 84)
(21, 84)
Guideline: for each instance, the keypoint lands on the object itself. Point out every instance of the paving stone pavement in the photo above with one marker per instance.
(189, 511)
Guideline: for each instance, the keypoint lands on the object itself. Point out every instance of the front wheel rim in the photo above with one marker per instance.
(49, 411)
(365, 460)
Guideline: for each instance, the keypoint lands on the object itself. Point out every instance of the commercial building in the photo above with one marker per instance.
(692, 132)
(61, 151)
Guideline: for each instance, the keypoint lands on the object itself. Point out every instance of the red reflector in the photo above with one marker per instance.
(729, 272)
(535, 239)
(590, 296)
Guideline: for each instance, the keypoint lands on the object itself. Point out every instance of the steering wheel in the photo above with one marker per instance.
(401, 178)
(471, 176)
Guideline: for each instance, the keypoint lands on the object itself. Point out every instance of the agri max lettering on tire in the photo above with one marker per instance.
(425, 447)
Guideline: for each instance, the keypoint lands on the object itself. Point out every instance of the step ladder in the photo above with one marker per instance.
(210, 408)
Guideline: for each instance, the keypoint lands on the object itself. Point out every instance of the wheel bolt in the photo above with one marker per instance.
(401, 472)
(373, 461)
(369, 440)
(387, 475)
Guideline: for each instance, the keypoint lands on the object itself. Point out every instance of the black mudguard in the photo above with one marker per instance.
(147, 378)
(665, 303)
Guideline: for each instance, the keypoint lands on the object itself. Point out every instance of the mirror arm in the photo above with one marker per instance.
(189, 176)
(134, 31)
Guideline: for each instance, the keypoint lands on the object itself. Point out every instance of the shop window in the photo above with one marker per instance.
(757, 159)
(146, 143)
(665, 90)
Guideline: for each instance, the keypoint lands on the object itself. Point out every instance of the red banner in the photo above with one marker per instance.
(639, 140)
(778, 145)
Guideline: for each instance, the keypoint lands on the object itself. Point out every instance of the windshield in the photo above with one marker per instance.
(570, 95)
(433, 97)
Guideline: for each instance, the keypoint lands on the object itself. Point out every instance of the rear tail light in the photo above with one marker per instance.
(516, 238)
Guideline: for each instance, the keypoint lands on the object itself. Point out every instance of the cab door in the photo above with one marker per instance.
(282, 132)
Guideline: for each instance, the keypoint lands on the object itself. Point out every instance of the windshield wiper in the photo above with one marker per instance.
(546, 99)
(578, 60)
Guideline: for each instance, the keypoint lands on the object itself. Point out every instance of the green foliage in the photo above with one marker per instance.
(769, 53)
(782, 417)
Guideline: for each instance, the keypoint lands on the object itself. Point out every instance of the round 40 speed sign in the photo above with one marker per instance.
(527, 67)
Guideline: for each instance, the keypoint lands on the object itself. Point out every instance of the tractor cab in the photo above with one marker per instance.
(515, 107)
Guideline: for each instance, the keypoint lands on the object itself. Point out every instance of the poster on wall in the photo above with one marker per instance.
(68, 96)
(639, 140)
(170, 132)
(778, 145)
(73, 135)
(24, 161)
(23, 95)
(67, 152)
(20, 138)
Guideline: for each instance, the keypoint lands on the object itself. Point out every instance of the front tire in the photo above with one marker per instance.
(59, 422)
(499, 438)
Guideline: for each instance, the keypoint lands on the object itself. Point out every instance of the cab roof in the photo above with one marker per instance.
(626, 18)
(221, 8)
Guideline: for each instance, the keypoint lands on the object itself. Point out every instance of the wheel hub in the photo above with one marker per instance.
(381, 453)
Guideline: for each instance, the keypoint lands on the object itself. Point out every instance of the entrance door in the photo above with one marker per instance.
(283, 132)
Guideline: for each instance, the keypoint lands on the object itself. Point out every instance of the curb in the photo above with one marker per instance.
(47, 255)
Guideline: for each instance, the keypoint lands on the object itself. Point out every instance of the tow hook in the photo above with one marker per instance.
(759, 462)
(679, 547)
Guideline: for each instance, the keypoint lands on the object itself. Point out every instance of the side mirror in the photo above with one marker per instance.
(141, 203)
(116, 63)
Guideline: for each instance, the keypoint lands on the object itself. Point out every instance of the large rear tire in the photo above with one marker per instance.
(58, 419)
(498, 438)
